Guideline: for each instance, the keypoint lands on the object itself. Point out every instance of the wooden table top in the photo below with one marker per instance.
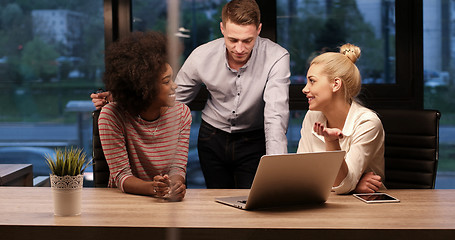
(418, 209)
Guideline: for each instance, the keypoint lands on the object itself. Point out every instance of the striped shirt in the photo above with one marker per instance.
(144, 149)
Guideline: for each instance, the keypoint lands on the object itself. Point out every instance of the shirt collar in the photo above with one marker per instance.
(349, 125)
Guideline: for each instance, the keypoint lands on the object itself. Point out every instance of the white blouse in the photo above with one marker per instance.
(363, 142)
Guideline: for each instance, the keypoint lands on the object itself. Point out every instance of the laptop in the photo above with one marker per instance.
(290, 179)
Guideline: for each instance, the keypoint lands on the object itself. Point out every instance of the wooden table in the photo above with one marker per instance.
(16, 175)
(111, 214)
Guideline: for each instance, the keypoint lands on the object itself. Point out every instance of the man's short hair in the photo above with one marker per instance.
(241, 12)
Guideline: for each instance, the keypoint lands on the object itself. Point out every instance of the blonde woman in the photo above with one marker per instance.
(337, 121)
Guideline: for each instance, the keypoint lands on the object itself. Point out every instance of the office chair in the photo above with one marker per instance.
(100, 167)
(411, 147)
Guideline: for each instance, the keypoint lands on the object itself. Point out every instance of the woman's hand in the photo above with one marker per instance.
(329, 134)
(369, 183)
(161, 185)
(178, 188)
(171, 188)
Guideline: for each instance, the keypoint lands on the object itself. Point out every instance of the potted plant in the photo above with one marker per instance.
(67, 179)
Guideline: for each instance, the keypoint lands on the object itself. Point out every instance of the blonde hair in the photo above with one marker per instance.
(342, 65)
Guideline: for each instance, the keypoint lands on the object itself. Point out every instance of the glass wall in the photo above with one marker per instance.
(199, 23)
(439, 84)
(51, 58)
(308, 28)
(304, 28)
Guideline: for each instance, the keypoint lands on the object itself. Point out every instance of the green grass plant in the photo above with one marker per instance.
(70, 162)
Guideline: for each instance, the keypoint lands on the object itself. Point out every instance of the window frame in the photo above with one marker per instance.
(407, 92)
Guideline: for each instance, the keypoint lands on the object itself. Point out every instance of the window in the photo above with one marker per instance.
(47, 72)
(439, 86)
(390, 33)
(199, 23)
(308, 28)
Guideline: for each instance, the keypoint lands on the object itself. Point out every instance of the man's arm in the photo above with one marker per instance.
(276, 111)
(188, 81)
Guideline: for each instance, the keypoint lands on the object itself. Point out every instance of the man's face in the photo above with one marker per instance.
(239, 41)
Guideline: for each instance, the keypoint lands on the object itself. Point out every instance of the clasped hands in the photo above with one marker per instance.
(172, 189)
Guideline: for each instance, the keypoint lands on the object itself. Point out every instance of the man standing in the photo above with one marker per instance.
(247, 111)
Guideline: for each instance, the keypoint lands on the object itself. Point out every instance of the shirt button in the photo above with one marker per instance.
(233, 111)
(238, 76)
(238, 94)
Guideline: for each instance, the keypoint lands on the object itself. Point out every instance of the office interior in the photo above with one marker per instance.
(52, 58)
(407, 62)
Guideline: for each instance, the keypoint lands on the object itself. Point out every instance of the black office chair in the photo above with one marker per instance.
(411, 147)
(100, 167)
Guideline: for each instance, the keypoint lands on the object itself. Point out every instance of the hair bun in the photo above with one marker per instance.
(351, 51)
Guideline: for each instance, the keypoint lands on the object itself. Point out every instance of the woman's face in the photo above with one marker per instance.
(166, 94)
(319, 89)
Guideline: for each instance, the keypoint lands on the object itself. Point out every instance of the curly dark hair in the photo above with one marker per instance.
(134, 65)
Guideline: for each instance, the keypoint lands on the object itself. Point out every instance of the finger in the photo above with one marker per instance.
(158, 178)
(102, 94)
(177, 189)
(98, 103)
(178, 197)
(377, 178)
(157, 191)
(377, 184)
(340, 135)
(373, 187)
(369, 189)
(373, 176)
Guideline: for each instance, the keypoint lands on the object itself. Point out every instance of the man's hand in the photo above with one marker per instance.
(101, 99)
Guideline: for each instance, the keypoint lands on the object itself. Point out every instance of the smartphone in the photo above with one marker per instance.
(376, 197)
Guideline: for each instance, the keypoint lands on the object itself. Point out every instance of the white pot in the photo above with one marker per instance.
(67, 194)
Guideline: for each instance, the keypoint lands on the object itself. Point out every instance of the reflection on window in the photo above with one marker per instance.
(51, 59)
(199, 24)
(200, 20)
(307, 28)
(439, 86)
(304, 28)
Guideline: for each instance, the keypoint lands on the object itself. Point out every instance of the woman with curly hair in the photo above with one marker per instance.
(145, 132)
(336, 121)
